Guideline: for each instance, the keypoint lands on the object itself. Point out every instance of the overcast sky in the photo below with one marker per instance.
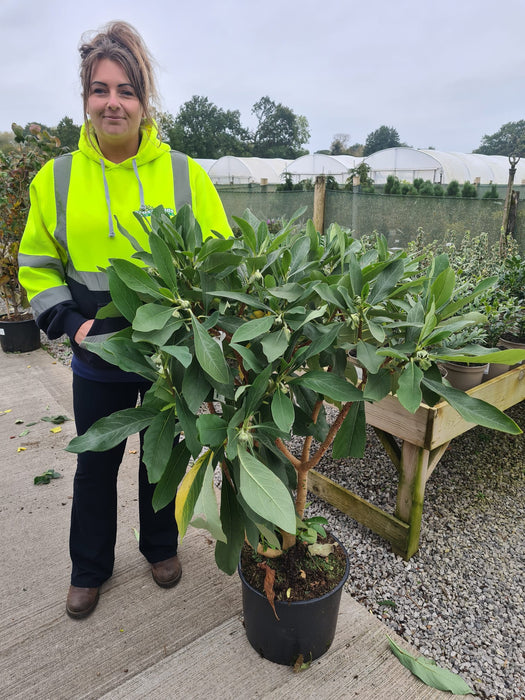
(442, 73)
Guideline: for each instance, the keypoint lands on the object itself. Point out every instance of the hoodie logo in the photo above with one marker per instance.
(146, 211)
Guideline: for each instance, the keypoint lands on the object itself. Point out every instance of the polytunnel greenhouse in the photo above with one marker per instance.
(441, 167)
(309, 166)
(232, 170)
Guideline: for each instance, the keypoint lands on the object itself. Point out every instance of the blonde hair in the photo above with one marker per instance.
(120, 42)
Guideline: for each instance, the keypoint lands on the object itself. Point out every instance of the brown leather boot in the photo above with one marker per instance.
(167, 573)
(81, 601)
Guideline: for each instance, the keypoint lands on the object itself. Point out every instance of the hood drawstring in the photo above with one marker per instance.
(108, 200)
(141, 189)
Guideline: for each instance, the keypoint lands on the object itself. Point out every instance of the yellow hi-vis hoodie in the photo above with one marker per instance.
(72, 231)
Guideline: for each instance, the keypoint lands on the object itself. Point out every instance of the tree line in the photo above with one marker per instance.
(203, 130)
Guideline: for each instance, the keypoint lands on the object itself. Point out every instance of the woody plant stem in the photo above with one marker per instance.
(303, 465)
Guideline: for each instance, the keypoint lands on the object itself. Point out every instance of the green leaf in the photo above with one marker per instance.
(195, 386)
(474, 410)
(368, 357)
(112, 430)
(109, 311)
(323, 341)
(283, 411)
(232, 521)
(46, 477)
(290, 292)
(158, 444)
(442, 287)
(206, 512)
(126, 300)
(179, 352)
(333, 387)
(506, 357)
(430, 673)
(124, 353)
(209, 353)
(189, 491)
(253, 329)
(377, 385)
(248, 234)
(136, 278)
(251, 361)
(211, 429)
(161, 336)
(264, 492)
(163, 261)
(330, 294)
(57, 420)
(356, 276)
(257, 390)
(166, 488)
(386, 281)
(188, 421)
(275, 344)
(350, 440)
(250, 301)
(409, 387)
(151, 317)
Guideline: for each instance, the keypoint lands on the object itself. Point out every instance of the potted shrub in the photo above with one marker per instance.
(245, 341)
(18, 330)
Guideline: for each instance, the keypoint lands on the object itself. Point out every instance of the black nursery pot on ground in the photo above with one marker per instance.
(305, 628)
(19, 336)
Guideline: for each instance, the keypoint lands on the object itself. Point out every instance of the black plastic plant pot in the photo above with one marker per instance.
(19, 336)
(305, 627)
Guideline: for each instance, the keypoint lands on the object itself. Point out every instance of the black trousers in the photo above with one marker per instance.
(94, 513)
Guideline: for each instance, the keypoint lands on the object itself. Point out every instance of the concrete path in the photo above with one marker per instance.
(142, 641)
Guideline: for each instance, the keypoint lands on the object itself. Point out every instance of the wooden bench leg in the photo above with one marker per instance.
(411, 493)
(416, 466)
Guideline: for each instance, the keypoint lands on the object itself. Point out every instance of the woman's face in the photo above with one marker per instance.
(114, 109)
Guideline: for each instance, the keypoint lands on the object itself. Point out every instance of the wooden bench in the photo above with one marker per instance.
(424, 435)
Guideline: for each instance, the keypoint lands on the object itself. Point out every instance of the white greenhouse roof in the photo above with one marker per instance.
(232, 170)
(205, 162)
(307, 167)
(441, 166)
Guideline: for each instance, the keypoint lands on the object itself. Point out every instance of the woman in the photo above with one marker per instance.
(77, 203)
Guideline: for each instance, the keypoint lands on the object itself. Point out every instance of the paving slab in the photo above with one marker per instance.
(142, 641)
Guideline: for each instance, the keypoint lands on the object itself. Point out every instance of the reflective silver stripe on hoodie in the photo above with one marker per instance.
(94, 281)
(181, 179)
(48, 298)
(62, 176)
(41, 261)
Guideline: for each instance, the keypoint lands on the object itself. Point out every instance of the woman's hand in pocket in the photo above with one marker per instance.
(83, 331)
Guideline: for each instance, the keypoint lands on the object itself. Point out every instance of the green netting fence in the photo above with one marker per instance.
(398, 217)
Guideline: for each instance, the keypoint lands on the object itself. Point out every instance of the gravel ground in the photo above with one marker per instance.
(460, 600)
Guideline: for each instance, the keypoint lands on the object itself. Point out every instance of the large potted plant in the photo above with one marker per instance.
(18, 330)
(246, 342)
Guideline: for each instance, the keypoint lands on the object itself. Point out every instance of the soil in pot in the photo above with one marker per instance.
(298, 575)
(296, 632)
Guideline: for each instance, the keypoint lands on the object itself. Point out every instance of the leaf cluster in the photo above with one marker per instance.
(18, 166)
(245, 340)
